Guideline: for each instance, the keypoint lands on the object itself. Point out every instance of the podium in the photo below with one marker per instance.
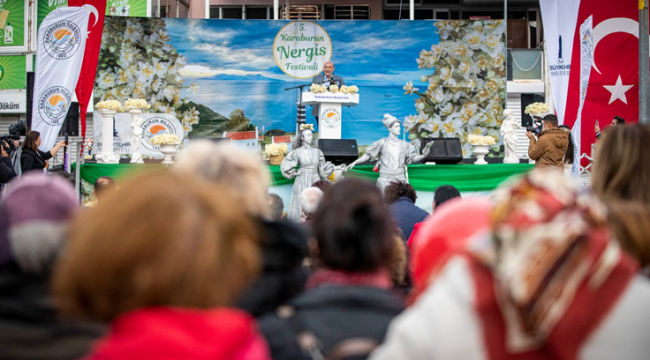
(329, 116)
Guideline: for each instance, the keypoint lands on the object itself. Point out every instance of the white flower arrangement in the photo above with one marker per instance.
(536, 108)
(481, 140)
(165, 139)
(317, 88)
(136, 104)
(351, 90)
(334, 88)
(109, 105)
(275, 150)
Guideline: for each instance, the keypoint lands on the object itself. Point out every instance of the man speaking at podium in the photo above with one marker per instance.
(327, 78)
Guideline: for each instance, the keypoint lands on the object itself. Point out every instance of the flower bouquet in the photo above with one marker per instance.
(136, 104)
(349, 89)
(481, 140)
(316, 88)
(165, 139)
(536, 109)
(113, 105)
(276, 152)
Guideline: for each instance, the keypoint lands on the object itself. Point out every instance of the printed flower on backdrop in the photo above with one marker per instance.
(194, 88)
(493, 45)
(473, 39)
(409, 88)
(146, 66)
(466, 83)
(447, 109)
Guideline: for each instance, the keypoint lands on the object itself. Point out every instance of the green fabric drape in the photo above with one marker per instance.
(422, 177)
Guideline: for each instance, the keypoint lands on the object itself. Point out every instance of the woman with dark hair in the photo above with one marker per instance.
(400, 196)
(32, 158)
(348, 303)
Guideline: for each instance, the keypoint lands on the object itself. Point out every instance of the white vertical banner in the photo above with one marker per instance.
(586, 61)
(60, 53)
(560, 20)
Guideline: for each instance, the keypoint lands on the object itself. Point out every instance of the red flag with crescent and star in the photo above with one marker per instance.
(614, 80)
(97, 9)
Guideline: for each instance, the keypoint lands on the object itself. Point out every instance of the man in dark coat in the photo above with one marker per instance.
(400, 196)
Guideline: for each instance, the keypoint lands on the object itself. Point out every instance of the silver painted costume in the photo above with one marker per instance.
(392, 156)
(311, 168)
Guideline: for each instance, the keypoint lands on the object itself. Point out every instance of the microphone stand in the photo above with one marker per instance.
(299, 88)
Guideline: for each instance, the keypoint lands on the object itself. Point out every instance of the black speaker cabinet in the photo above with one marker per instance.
(444, 150)
(70, 125)
(30, 98)
(339, 151)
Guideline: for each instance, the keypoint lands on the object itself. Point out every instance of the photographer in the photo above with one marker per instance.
(550, 146)
(6, 168)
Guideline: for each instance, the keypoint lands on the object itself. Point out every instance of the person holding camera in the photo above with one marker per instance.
(6, 169)
(32, 158)
(550, 146)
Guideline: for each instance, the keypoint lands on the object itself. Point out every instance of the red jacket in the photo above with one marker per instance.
(182, 333)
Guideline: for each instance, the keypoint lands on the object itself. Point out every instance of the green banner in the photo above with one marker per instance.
(45, 7)
(12, 72)
(12, 23)
(134, 8)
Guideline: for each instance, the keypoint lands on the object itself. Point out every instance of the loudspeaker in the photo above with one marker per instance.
(70, 125)
(527, 99)
(30, 98)
(339, 151)
(444, 150)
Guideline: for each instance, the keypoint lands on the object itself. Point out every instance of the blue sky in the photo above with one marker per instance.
(378, 51)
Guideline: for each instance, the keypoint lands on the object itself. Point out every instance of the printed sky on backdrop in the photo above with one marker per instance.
(219, 66)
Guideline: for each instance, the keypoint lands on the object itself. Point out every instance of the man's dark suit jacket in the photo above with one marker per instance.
(319, 79)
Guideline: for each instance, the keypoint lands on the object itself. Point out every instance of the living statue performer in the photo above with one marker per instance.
(392, 154)
(136, 140)
(311, 168)
(509, 132)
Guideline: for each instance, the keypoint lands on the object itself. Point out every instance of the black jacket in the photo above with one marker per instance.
(29, 325)
(6, 170)
(283, 276)
(334, 314)
(30, 160)
(406, 215)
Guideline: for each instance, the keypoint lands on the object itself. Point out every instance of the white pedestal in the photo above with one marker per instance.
(107, 155)
(329, 117)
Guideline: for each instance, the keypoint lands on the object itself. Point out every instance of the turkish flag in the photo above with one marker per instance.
(614, 80)
(93, 43)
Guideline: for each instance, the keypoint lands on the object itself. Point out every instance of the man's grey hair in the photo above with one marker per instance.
(309, 199)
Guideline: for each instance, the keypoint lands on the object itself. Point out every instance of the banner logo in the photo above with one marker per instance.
(156, 126)
(301, 48)
(331, 118)
(53, 105)
(62, 39)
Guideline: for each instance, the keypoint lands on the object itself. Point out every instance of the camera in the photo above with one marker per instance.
(536, 128)
(7, 142)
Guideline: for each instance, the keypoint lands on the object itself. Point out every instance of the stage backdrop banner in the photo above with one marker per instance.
(442, 78)
(61, 45)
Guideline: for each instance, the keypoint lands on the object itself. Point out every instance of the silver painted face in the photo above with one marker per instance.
(307, 137)
(396, 128)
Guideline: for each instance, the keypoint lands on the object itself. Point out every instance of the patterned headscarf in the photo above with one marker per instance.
(550, 245)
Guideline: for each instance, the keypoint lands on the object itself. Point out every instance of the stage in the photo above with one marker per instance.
(470, 180)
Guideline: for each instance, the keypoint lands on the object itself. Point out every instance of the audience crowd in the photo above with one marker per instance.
(200, 262)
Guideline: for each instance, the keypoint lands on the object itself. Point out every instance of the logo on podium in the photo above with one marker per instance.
(331, 118)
